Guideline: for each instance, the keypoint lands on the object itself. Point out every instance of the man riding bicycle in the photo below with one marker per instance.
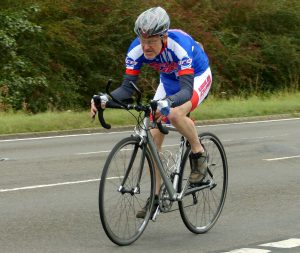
(185, 80)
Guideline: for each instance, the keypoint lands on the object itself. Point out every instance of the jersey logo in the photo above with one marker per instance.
(185, 63)
(130, 62)
(165, 67)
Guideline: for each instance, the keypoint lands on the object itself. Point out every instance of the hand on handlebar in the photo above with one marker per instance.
(164, 106)
(98, 102)
(93, 109)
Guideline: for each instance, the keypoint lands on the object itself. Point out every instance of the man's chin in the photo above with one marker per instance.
(149, 57)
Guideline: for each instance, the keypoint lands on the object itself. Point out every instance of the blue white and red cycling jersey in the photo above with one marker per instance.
(181, 55)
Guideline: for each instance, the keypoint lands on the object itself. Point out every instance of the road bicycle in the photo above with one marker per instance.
(128, 178)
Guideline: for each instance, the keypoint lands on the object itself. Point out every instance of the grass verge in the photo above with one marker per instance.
(283, 103)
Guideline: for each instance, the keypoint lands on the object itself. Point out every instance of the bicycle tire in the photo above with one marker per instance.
(118, 209)
(200, 210)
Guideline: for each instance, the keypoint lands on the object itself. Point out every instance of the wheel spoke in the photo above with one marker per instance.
(118, 202)
(200, 216)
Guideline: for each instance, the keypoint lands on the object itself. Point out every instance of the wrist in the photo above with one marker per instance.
(170, 101)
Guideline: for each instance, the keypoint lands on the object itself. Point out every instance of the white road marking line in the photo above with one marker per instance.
(248, 250)
(282, 158)
(255, 138)
(250, 122)
(60, 136)
(4, 159)
(285, 244)
(107, 151)
(93, 152)
(48, 185)
(91, 134)
(52, 185)
(227, 140)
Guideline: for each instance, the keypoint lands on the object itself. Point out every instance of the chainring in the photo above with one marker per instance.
(165, 204)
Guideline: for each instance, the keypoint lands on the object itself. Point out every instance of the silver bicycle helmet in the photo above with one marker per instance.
(154, 21)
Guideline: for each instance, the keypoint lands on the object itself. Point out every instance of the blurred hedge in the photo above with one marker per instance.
(56, 54)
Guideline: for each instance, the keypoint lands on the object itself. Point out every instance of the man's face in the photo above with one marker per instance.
(151, 46)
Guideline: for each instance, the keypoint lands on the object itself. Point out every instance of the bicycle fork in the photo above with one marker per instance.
(136, 189)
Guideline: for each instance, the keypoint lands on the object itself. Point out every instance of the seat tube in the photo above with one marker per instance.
(178, 163)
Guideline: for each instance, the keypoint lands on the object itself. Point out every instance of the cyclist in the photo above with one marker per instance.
(185, 80)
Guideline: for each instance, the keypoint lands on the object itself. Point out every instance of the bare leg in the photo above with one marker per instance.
(185, 125)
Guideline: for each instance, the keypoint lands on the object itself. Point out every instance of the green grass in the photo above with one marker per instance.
(283, 103)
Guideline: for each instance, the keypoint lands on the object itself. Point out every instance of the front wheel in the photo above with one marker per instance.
(203, 203)
(127, 183)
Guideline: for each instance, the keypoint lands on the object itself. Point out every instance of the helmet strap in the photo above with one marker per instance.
(162, 42)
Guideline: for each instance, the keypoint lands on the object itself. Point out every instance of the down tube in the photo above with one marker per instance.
(157, 160)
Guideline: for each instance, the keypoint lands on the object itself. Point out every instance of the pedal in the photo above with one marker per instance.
(202, 183)
(156, 213)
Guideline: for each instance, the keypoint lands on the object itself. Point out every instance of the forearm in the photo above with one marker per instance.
(186, 90)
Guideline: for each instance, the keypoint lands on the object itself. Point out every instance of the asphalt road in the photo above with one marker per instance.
(49, 193)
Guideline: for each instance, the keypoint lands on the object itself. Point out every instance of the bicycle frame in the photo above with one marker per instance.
(146, 137)
(172, 189)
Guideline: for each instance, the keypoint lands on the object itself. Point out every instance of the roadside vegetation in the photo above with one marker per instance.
(212, 108)
(56, 54)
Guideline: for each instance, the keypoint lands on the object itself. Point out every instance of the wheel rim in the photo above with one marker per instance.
(201, 210)
(118, 209)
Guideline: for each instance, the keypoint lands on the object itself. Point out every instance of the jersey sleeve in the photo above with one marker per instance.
(182, 46)
(134, 58)
(185, 66)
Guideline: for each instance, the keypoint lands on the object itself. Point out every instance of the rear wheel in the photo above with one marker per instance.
(126, 184)
(201, 207)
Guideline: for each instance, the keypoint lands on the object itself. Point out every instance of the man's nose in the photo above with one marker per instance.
(146, 46)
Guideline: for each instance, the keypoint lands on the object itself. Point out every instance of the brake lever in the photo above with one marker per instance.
(97, 102)
(159, 125)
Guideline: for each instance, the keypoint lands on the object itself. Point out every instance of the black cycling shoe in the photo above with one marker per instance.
(142, 213)
(198, 167)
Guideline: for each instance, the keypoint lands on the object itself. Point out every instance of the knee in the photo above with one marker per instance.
(158, 137)
(178, 113)
(175, 115)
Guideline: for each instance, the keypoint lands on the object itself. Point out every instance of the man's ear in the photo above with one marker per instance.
(165, 38)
